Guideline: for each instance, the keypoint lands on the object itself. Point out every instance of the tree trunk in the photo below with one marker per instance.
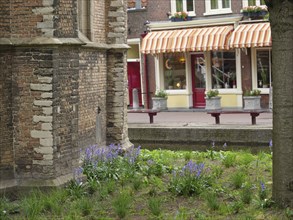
(281, 19)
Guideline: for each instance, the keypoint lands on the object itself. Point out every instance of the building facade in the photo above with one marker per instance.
(63, 84)
(217, 46)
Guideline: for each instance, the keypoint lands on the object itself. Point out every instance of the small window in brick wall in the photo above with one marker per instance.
(137, 4)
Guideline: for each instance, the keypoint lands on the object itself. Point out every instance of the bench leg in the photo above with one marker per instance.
(253, 117)
(217, 117)
(151, 115)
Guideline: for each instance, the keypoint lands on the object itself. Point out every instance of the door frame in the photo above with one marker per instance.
(192, 55)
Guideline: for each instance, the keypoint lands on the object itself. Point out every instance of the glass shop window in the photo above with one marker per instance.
(223, 70)
(264, 77)
(174, 71)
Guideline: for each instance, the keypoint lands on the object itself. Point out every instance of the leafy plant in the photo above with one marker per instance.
(238, 179)
(192, 179)
(212, 200)
(161, 94)
(228, 159)
(154, 204)
(254, 92)
(212, 93)
(246, 194)
(122, 204)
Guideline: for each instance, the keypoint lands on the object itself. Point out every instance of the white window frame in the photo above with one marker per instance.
(254, 70)
(190, 13)
(220, 10)
(245, 3)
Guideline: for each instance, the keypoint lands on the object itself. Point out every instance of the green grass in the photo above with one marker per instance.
(230, 189)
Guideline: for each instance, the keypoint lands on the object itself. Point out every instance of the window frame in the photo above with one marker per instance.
(190, 13)
(220, 10)
(254, 69)
(245, 3)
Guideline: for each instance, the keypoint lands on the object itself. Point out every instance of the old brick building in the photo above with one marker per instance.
(215, 47)
(62, 86)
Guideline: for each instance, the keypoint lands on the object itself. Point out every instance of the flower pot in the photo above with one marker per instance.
(159, 103)
(213, 103)
(251, 102)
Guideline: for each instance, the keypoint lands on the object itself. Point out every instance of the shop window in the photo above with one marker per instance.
(223, 70)
(183, 5)
(263, 68)
(174, 71)
(253, 3)
(217, 7)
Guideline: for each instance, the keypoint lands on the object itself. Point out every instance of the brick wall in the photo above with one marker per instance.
(58, 96)
(92, 97)
(6, 133)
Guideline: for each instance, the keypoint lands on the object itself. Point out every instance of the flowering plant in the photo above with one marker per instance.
(180, 14)
(192, 179)
(254, 92)
(250, 9)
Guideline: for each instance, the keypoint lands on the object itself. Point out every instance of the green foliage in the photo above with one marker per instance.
(254, 92)
(161, 94)
(192, 179)
(246, 194)
(238, 178)
(122, 204)
(212, 200)
(228, 159)
(212, 93)
(155, 205)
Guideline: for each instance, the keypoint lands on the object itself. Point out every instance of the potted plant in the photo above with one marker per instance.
(254, 11)
(160, 100)
(180, 16)
(252, 99)
(213, 101)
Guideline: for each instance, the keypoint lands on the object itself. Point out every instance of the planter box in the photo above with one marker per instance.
(159, 103)
(213, 103)
(251, 102)
(181, 19)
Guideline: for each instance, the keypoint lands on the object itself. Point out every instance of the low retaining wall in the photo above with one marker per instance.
(190, 138)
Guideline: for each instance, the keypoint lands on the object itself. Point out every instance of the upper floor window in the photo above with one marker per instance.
(217, 7)
(84, 18)
(183, 5)
(136, 4)
(253, 3)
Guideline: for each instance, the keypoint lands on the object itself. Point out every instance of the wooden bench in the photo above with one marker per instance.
(150, 112)
(253, 114)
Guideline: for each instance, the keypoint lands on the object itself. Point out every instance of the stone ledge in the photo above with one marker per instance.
(40, 41)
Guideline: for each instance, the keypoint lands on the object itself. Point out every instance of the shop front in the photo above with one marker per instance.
(191, 61)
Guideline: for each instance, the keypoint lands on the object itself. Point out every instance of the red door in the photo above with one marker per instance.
(198, 70)
(133, 72)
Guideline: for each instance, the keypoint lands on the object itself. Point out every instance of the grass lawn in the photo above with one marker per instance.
(158, 184)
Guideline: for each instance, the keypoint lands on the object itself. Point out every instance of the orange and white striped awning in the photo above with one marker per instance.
(251, 35)
(185, 40)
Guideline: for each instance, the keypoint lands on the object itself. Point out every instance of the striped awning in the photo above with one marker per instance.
(185, 40)
(251, 35)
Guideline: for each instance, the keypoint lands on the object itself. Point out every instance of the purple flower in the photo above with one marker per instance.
(262, 185)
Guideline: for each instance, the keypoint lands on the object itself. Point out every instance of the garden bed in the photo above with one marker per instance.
(158, 184)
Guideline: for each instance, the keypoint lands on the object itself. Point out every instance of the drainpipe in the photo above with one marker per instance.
(146, 78)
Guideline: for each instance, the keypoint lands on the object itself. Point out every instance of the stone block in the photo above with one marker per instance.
(44, 150)
(48, 110)
(41, 87)
(47, 126)
(47, 95)
(46, 142)
(43, 103)
(41, 134)
(37, 118)
(44, 79)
